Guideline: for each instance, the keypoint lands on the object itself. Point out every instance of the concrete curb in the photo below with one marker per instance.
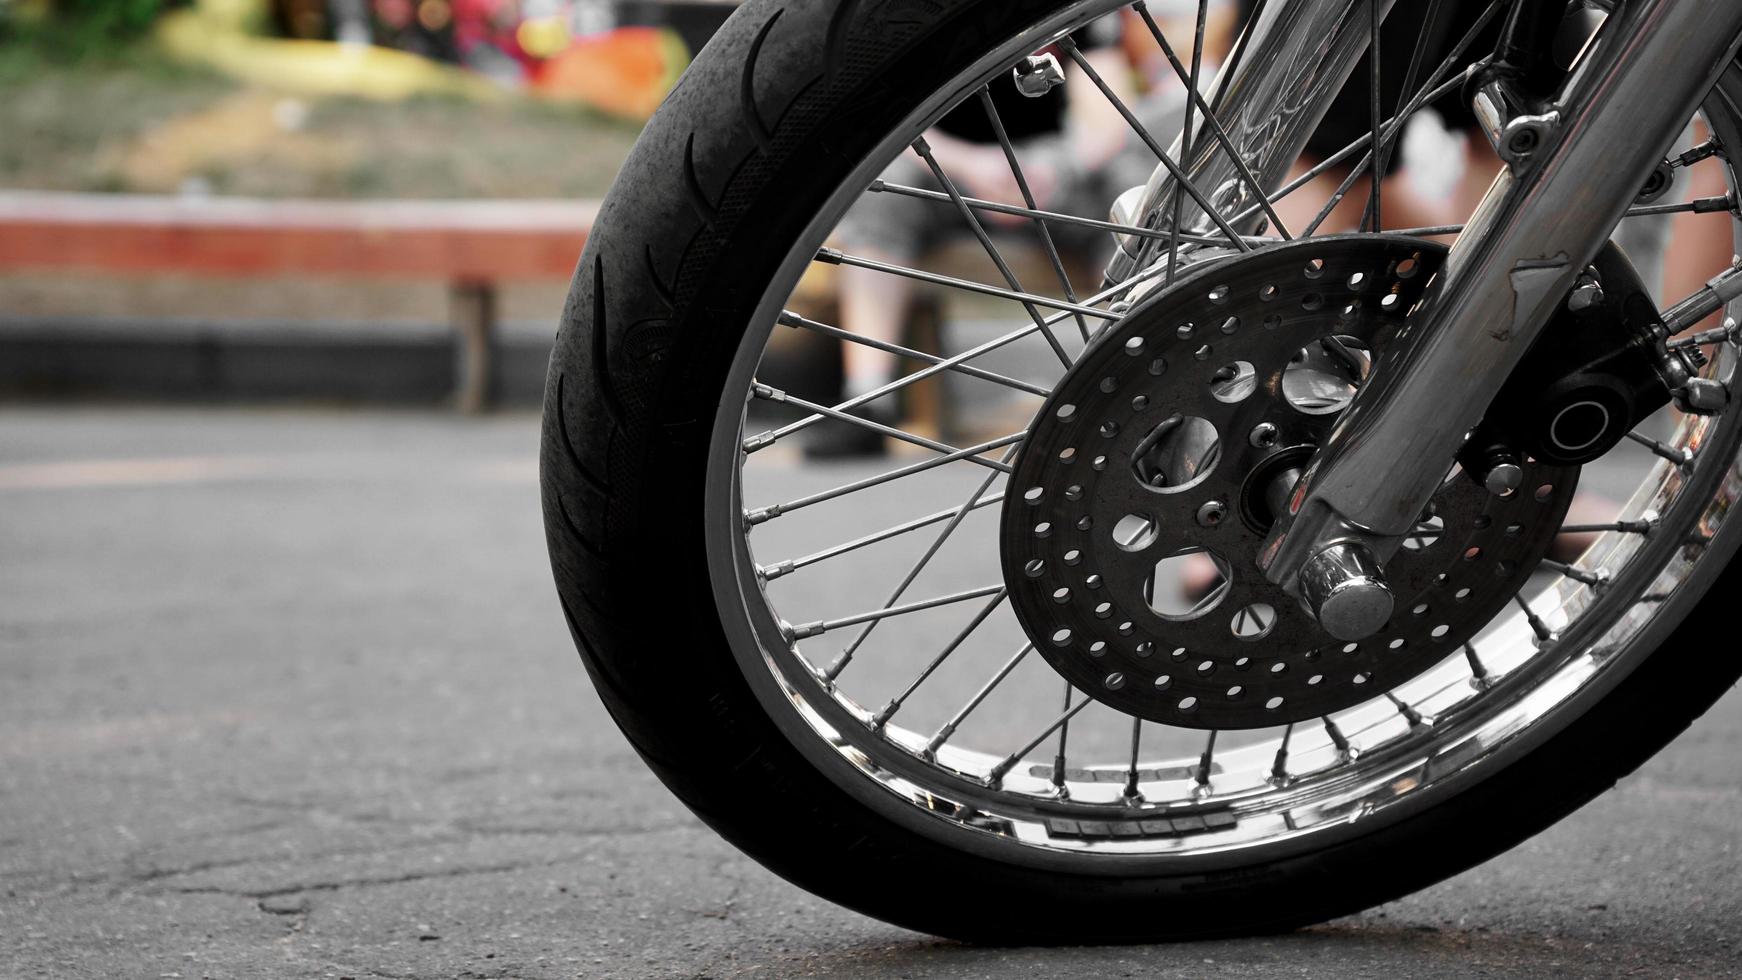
(262, 361)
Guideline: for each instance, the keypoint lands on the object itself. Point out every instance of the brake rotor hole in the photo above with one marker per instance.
(1177, 454)
(1234, 382)
(1322, 377)
(1188, 584)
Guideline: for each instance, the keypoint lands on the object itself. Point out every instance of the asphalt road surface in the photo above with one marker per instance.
(288, 694)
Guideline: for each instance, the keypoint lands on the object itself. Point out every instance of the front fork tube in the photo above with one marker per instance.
(1540, 225)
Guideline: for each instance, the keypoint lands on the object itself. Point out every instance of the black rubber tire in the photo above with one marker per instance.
(760, 131)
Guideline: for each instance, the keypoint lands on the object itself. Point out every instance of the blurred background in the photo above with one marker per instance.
(189, 189)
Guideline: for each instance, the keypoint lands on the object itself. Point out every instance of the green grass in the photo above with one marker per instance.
(130, 120)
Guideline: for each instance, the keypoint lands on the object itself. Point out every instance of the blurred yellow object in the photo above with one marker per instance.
(625, 72)
(542, 37)
(215, 33)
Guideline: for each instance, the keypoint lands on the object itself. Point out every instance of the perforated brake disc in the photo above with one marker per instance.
(1145, 487)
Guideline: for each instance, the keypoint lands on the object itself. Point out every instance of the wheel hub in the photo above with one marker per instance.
(1151, 475)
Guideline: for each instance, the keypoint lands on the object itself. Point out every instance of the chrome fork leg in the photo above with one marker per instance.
(1541, 223)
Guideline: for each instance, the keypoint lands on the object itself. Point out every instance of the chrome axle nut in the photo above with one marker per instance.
(1344, 588)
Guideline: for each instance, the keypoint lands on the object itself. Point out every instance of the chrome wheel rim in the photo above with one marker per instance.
(1569, 640)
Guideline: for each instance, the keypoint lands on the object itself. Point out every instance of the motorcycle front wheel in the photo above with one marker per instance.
(881, 727)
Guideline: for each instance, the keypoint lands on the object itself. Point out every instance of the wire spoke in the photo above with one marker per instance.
(1279, 764)
(763, 514)
(779, 569)
(1430, 21)
(1186, 137)
(790, 319)
(1408, 711)
(763, 440)
(1703, 205)
(1478, 670)
(1202, 776)
(1069, 47)
(1052, 252)
(921, 147)
(1131, 792)
(1374, 195)
(1392, 128)
(1717, 335)
(837, 257)
(1058, 725)
(1344, 749)
(1360, 143)
(822, 626)
(888, 711)
(1196, 98)
(1624, 527)
(1577, 574)
(1680, 457)
(840, 663)
(769, 393)
(881, 186)
(1699, 205)
(1537, 625)
(949, 727)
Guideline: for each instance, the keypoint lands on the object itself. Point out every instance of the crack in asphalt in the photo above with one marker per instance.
(337, 884)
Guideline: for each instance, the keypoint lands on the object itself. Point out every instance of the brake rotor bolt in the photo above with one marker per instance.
(1212, 513)
(1263, 435)
(1504, 476)
(1504, 479)
(1586, 294)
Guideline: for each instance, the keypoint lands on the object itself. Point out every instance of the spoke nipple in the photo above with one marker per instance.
(773, 572)
(801, 632)
(760, 515)
(1038, 74)
(930, 752)
(832, 256)
(761, 440)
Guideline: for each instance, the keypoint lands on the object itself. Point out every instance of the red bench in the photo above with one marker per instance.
(471, 245)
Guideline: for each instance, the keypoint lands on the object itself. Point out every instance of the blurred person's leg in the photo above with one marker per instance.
(892, 229)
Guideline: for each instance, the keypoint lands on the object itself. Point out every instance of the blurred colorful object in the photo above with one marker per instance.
(554, 49)
(625, 72)
(216, 33)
